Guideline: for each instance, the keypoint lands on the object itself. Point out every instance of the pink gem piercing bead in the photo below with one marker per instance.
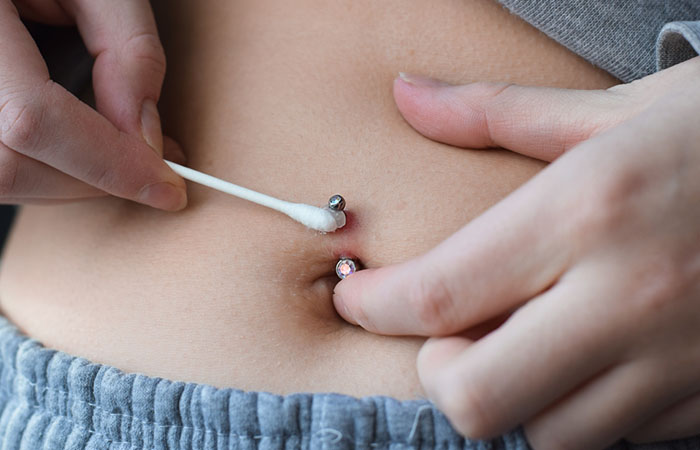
(345, 267)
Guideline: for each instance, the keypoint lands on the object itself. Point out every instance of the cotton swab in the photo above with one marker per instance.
(320, 219)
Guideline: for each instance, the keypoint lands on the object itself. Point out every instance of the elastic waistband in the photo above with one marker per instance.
(52, 400)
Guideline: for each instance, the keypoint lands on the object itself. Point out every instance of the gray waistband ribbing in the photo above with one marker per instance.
(51, 400)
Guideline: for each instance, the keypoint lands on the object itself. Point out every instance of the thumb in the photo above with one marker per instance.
(534, 121)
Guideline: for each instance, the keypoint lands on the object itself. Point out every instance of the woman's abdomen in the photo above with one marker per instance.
(293, 99)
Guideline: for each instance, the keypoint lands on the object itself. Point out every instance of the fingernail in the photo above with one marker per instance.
(421, 81)
(150, 126)
(163, 195)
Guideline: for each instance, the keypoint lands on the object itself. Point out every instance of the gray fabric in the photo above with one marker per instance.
(50, 400)
(623, 37)
(677, 42)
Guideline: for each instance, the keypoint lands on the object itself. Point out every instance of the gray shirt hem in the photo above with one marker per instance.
(677, 42)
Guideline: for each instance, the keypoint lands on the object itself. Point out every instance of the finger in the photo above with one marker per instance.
(43, 11)
(679, 421)
(87, 147)
(18, 46)
(129, 63)
(547, 348)
(504, 257)
(23, 179)
(173, 152)
(33, 121)
(438, 352)
(535, 121)
(605, 409)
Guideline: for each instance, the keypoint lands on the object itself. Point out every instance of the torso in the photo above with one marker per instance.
(293, 99)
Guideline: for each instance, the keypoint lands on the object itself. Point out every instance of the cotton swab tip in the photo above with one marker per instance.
(319, 219)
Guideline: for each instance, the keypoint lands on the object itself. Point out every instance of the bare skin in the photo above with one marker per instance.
(599, 254)
(294, 100)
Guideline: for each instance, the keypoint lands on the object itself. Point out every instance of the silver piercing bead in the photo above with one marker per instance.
(345, 267)
(336, 203)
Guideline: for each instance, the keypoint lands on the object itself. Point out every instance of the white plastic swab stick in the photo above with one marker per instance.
(321, 219)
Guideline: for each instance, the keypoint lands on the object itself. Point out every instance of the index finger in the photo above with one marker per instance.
(499, 260)
(43, 121)
(129, 62)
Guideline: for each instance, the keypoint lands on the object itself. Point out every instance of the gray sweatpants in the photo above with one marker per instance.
(50, 400)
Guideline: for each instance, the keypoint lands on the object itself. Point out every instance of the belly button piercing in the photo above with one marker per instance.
(336, 203)
(345, 267)
(326, 219)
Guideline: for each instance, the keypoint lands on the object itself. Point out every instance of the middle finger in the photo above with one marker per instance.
(547, 348)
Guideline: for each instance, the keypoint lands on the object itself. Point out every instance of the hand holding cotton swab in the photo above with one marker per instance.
(321, 219)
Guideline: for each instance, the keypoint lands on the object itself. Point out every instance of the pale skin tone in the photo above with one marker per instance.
(124, 133)
(232, 103)
(598, 255)
(115, 150)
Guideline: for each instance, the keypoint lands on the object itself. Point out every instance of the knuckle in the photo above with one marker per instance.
(608, 204)
(501, 94)
(20, 122)
(433, 305)
(498, 103)
(147, 48)
(658, 284)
